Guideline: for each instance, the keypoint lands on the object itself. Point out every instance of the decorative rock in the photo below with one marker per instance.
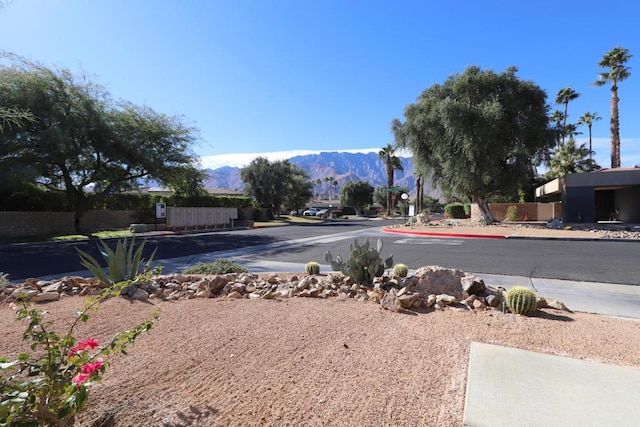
(551, 303)
(438, 280)
(472, 285)
(140, 295)
(492, 300)
(46, 296)
(479, 305)
(446, 299)
(541, 303)
(403, 291)
(53, 287)
(391, 302)
(407, 301)
(234, 294)
(203, 293)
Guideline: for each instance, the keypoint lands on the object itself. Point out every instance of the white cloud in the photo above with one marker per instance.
(243, 159)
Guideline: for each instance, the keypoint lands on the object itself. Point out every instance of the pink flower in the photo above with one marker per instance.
(80, 378)
(90, 343)
(91, 367)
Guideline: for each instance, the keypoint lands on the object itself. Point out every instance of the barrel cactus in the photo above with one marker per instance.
(521, 300)
(400, 270)
(363, 265)
(312, 268)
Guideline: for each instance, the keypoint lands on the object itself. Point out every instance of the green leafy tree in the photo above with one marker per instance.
(588, 119)
(356, 194)
(614, 61)
(570, 158)
(83, 143)
(392, 163)
(479, 133)
(564, 96)
(273, 183)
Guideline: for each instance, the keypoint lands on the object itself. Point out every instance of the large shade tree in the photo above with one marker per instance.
(83, 143)
(615, 62)
(273, 183)
(356, 194)
(479, 133)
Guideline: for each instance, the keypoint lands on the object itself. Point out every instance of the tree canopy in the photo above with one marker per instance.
(275, 183)
(356, 194)
(479, 133)
(571, 158)
(83, 143)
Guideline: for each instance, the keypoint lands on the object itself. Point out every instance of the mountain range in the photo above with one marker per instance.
(341, 166)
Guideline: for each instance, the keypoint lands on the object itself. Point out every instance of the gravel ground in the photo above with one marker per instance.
(312, 362)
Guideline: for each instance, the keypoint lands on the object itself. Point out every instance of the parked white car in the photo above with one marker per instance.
(310, 212)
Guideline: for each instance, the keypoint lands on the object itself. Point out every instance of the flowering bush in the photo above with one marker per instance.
(51, 385)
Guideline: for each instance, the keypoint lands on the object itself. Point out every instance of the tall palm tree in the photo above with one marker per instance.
(588, 119)
(392, 163)
(557, 118)
(570, 158)
(615, 61)
(563, 97)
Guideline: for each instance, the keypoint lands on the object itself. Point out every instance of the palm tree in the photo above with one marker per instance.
(563, 97)
(588, 119)
(614, 60)
(570, 158)
(392, 163)
(556, 119)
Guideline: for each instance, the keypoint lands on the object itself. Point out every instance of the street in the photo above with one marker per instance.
(591, 261)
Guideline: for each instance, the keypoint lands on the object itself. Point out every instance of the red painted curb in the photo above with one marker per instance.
(428, 233)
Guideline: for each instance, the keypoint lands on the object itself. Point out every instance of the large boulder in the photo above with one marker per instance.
(438, 280)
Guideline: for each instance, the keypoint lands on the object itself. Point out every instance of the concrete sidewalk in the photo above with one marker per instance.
(509, 387)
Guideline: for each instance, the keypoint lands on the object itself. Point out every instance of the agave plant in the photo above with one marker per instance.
(122, 264)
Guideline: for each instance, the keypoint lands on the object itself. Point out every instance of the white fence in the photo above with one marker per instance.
(201, 217)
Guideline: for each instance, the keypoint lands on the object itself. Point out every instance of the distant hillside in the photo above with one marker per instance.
(343, 167)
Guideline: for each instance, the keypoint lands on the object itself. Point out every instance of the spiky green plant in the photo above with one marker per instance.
(122, 264)
(400, 270)
(363, 265)
(521, 300)
(312, 268)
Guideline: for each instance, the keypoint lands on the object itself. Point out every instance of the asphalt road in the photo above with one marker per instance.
(592, 261)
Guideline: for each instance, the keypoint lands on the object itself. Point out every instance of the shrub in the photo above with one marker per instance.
(521, 300)
(512, 213)
(51, 385)
(123, 263)
(4, 280)
(455, 211)
(312, 268)
(363, 265)
(400, 270)
(219, 266)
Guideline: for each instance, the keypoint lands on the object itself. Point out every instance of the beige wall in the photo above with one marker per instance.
(525, 211)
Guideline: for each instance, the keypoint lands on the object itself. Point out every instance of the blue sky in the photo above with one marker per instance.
(282, 75)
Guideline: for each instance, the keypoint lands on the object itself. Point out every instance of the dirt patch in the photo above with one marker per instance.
(313, 362)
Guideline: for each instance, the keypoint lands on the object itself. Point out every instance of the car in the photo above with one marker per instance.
(323, 213)
(310, 212)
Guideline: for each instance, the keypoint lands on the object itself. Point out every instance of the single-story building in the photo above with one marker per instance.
(603, 195)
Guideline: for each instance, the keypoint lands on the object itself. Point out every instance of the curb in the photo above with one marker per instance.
(428, 233)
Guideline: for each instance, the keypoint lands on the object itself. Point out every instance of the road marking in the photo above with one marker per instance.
(449, 242)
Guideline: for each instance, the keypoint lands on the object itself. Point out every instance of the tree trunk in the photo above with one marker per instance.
(615, 128)
(484, 209)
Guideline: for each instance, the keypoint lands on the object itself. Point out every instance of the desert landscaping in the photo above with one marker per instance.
(291, 349)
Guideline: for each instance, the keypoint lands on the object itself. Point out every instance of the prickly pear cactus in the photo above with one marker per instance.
(521, 300)
(400, 270)
(363, 265)
(312, 268)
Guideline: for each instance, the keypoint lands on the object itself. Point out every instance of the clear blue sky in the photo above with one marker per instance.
(274, 75)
